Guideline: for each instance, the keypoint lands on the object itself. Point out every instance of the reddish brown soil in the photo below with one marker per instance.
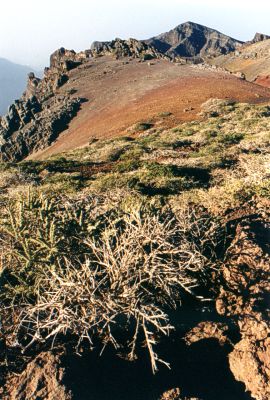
(263, 81)
(120, 94)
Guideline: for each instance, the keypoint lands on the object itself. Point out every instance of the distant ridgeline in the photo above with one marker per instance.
(35, 120)
(13, 78)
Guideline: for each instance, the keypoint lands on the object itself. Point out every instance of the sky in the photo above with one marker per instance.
(30, 30)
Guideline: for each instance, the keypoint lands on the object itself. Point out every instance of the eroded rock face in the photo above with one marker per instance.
(193, 40)
(19, 114)
(35, 121)
(246, 297)
(61, 62)
(126, 48)
(25, 130)
(259, 37)
(42, 379)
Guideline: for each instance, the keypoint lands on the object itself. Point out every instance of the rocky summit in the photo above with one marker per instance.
(259, 37)
(193, 40)
(126, 48)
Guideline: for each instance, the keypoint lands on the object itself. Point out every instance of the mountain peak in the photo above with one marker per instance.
(190, 39)
(259, 37)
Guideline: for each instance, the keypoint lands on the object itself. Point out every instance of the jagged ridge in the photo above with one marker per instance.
(35, 121)
(193, 40)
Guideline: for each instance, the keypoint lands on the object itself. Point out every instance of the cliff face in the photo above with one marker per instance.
(37, 118)
(13, 78)
(259, 37)
(193, 40)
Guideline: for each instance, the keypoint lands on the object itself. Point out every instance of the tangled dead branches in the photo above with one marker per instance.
(121, 279)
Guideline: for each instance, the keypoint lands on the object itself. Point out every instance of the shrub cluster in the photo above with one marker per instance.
(93, 269)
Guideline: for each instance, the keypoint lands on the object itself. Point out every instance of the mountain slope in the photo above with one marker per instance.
(84, 96)
(253, 60)
(120, 96)
(13, 79)
(190, 40)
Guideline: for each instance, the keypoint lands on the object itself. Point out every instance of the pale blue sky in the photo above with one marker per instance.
(30, 30)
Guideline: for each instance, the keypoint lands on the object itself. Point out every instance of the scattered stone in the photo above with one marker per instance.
(42, 379)
(175, 394)
(208, 330)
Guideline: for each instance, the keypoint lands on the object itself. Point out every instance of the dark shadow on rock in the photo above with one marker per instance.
(200, 370)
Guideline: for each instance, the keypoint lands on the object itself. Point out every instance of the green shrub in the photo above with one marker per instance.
(128, 166)
(143, 126)
(231, 138)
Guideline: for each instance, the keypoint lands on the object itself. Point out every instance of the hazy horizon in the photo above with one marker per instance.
(30, 33)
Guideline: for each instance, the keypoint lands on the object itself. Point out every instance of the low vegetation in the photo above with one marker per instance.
(86, 266)
(99, 244)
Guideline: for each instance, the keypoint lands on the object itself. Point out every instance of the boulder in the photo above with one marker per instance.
(245, 298)
(42, 379)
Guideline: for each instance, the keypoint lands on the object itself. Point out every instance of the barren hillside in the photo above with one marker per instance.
(121, 93)
(253, 60)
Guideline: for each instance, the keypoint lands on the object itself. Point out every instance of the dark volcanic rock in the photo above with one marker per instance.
(19, 114)
(35, 121)
(20, 138)
(259, 37)
(193, 40)
(126, 48)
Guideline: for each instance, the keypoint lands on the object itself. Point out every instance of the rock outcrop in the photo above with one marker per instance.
(35, 121)
(175, 394)
(61, 62)
(193, 40)
(24, 130)
(42, 379)
(259, 37)
(245, 297)
(126, 48)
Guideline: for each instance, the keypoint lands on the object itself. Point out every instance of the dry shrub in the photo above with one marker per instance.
(12, 178)
(72, 270)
